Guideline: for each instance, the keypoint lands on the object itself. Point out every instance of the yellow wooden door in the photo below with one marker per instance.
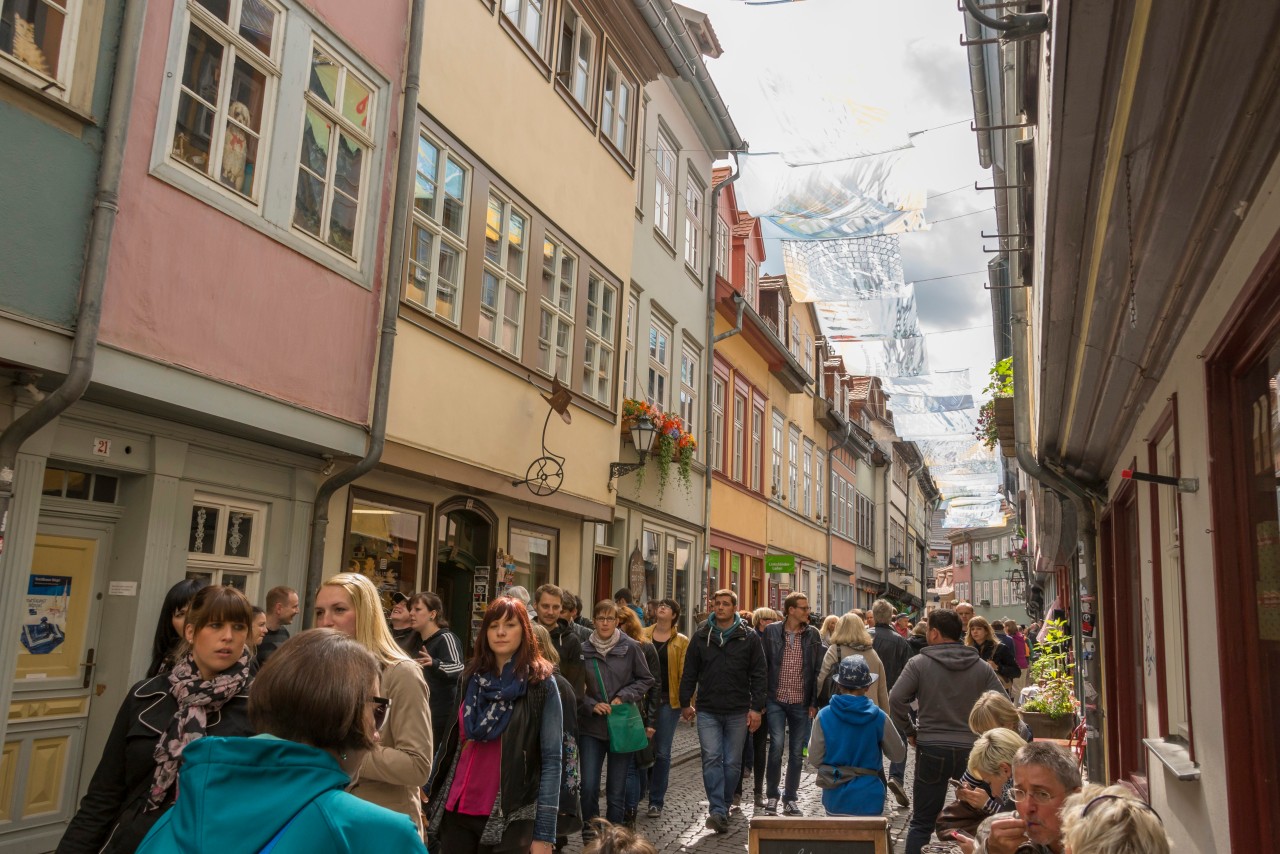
(41, 756)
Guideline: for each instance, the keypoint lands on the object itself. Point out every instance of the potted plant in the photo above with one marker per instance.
(995, 416)
(673, 443)
(1051, 713)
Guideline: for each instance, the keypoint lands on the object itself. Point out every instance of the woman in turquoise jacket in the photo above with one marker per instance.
(315, 702)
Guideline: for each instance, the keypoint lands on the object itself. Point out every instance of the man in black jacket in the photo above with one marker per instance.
(793, 653)
(721, 653)
(549, 602)
(894, 651)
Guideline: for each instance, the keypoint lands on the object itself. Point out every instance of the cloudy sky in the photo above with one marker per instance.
(858, 75)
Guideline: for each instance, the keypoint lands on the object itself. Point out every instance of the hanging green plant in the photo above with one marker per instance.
(673, 444)
(1000, 385)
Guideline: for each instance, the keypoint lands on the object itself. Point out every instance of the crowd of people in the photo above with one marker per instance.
(377, 724)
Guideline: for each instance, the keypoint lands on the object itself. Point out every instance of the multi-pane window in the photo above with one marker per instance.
(616, 107)
(693, 195)
(864, 534)
(527, 15)
(629, 351)
(688, 385)
(664, 191)
(808, 354)
(722, 248)
(38, 35)
(757, 448)
(739, 428)
(820, 486)
(779, 429)
(717, 424)
(896, 537)
(555, 327)
(224, 542)
(659, 375)
(597, 356)
(576, 62)
(749, 292)
(807, 507)
(794, 343)
(506, 240)
(335, 150)
(229, 78)
(438, 232)
(793, 468)
(851, 510)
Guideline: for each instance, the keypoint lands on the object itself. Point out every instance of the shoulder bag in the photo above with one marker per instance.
(626, 726)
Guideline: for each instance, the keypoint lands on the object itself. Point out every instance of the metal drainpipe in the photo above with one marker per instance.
(906, 524)
(712, 338)
(1083, 500)
(106, 204)
(393, 277)
(1023, 26)
(888, 505)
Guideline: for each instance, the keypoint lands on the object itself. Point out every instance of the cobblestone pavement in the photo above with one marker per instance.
(681, 827)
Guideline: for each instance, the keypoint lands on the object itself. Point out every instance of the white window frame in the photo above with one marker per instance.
(54, 81)
(690, 359)
(807, 474)
(597, 358)
(665, 155)
(658, 383)
(808, 354)
(694, 199)
(717, 423)
(739, 435)
(507, 282)
(752, 282)
(779, 437)
(347, 129)
(432, 225)
(757, 448)
(214, 565)
(577, 78)
(722, 247)
(794, 343)
(555, 317)
(521, 13)
(629, 347)
(618, 108)
(820, 485)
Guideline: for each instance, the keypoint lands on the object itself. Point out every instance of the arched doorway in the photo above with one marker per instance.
(464, 561)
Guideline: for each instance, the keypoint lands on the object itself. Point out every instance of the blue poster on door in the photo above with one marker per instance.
(44, 625)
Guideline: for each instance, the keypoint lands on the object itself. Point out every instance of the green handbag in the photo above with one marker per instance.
(626, 727)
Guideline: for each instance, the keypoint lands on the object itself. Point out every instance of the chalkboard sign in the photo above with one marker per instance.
(818, 835)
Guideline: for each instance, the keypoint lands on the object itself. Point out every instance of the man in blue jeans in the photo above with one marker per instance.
(793, 653)
(946, 679)
(725, 668)
(894, 651)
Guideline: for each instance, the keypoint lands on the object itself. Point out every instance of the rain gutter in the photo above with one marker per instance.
(405, 175)
(106, 205)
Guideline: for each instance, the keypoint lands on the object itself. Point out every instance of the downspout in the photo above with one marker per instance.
(709, 378)
(405, 174)
(1083, 499)
(848, 430)
(906, 524)
(93, 277)
(888, 505)
(978, 85)
(1022, 26)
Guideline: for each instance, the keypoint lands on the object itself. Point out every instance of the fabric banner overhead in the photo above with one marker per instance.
(841, 270)
(973, 512)
(935, 425)
(893, 357)
(919, 404)
(939, 383)
(871, 319)
(855, 197)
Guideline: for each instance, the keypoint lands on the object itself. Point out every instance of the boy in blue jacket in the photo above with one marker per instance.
(850, 739)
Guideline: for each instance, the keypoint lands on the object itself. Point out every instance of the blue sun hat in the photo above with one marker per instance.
(854, 673)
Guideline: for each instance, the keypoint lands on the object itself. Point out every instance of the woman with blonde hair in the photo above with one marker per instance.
(993, 710)
(399, 765)
(851, 637)
(829, 624)
(1111, 821)
(671, 647)
(762, 617)
(991, 764)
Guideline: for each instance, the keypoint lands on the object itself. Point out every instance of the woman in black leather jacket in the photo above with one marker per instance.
(206, 693)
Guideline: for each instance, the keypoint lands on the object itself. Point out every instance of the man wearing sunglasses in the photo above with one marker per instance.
(1044, 776)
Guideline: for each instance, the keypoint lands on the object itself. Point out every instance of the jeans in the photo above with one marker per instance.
(664, 734)
(594, 752)
(898, 770)
(721, 737)
(935, 765)
(783, 717)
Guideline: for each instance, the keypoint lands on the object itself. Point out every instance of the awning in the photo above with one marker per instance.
(892, 591)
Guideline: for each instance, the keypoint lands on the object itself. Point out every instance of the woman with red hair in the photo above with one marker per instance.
(496, 782)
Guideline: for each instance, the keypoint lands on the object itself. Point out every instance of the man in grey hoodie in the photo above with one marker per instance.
(946, 679)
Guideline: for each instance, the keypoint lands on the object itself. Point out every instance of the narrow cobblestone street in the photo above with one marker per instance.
(681, 827)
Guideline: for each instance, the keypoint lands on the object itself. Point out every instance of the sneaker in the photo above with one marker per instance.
(899, 793)
(654, 812)
(791, 808)
(717, 822)
(759, 802)
(771, 806)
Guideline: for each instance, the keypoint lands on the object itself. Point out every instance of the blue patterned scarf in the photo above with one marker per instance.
(489, 701)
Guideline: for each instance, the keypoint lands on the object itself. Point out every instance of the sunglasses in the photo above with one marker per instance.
(381, 705)
(1084, 812)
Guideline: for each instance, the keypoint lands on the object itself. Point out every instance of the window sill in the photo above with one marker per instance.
(544, 68)
(664, 241)
(639, 214)
(622, 159)
(1175, 758)
(28, 88)
(693, 274)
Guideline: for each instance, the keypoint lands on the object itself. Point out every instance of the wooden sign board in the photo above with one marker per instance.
(818, 835)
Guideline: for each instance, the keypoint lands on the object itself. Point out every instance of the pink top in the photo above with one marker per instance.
(475, 783)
